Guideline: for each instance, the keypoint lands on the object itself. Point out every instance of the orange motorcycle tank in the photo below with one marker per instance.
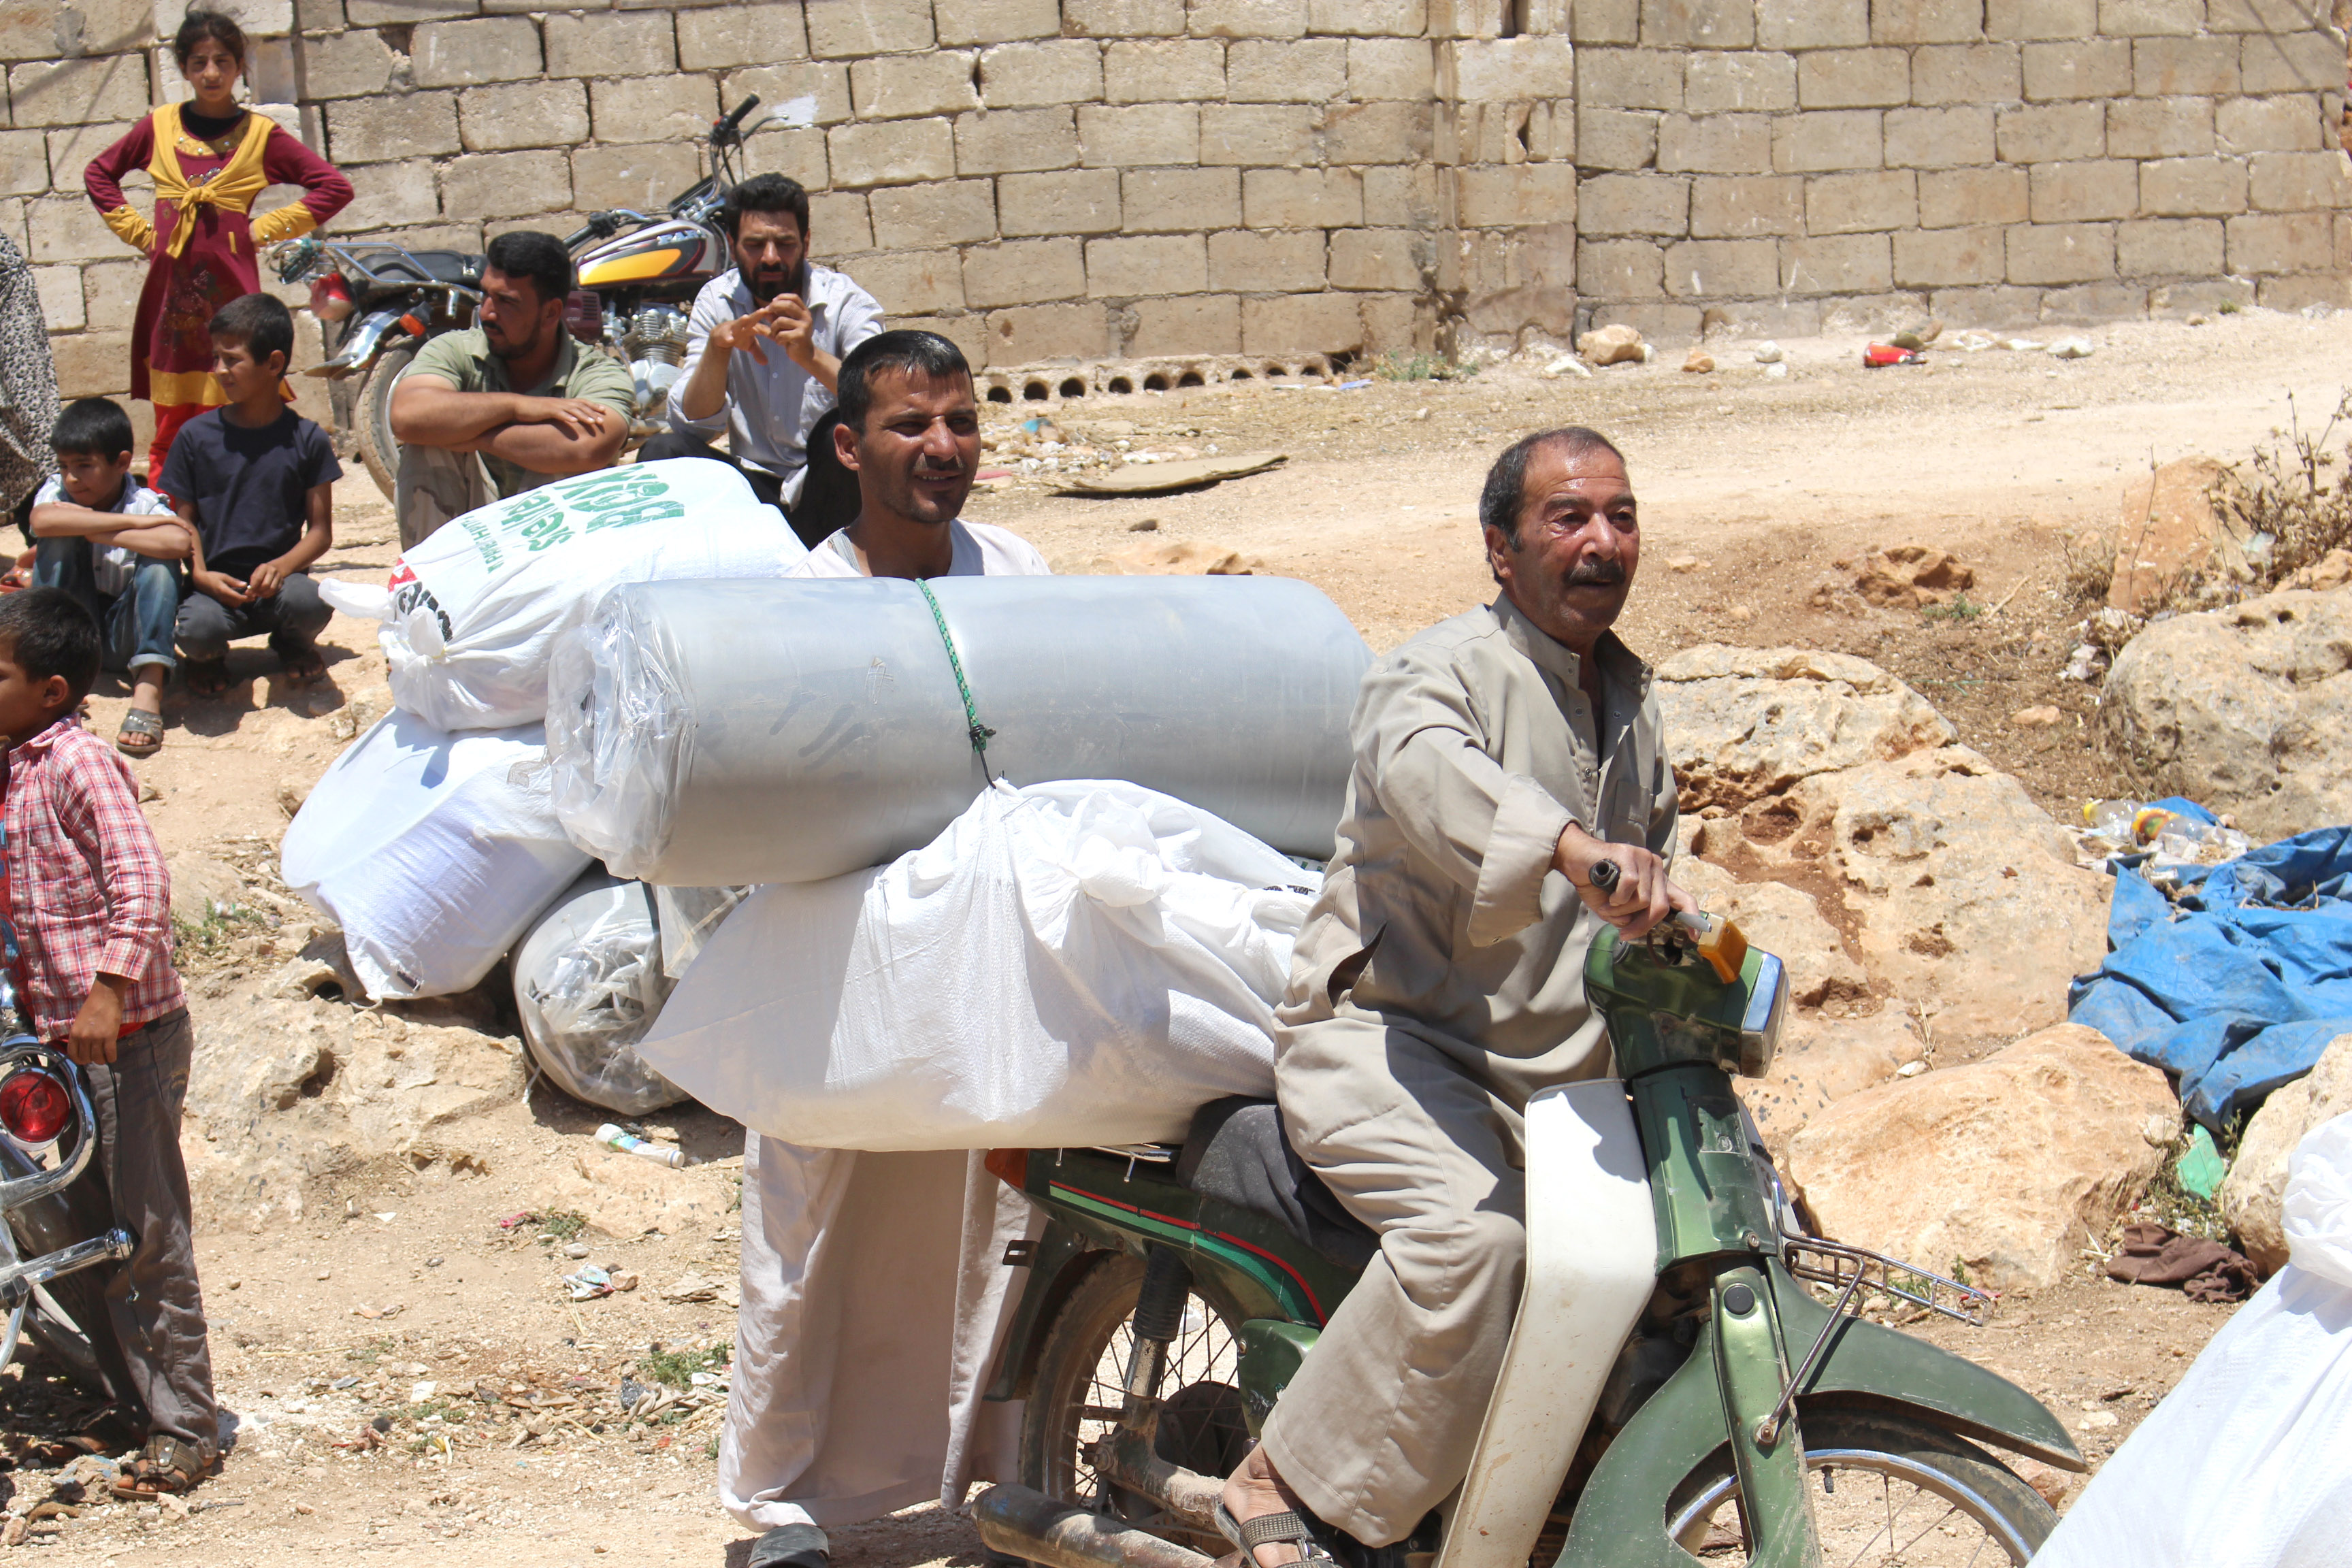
(662, 250)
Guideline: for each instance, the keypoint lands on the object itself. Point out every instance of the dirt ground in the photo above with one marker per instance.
(1754, 490)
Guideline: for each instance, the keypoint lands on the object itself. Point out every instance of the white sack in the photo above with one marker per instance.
(433, 851)
(1076, 962)
(472, 611)
(588, 984)
(2248, 1463)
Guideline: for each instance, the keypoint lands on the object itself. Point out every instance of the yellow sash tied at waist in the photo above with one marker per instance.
(231, 187)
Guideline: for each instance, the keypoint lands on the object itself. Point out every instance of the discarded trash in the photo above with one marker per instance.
(631, 1391)
(1357, 386)
(2020, 345)
(2087, 663)
(1972, 342)
(1618, 344)
(613, 1137)
(1699, 362)
(1913, 341)
(1769, 352)
(589, 1283)
(1877, 356)
(2071, 348)
(1566, 364)
(2200, 1167)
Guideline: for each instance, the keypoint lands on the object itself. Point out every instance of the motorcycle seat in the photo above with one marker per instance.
(406, 268)
(1238, 1153)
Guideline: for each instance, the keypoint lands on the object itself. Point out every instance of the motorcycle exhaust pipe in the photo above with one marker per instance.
(1020, 1522)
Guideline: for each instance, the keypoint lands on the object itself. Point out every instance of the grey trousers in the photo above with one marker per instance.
(432, 485)
(158, 1312)
(1379, 1424)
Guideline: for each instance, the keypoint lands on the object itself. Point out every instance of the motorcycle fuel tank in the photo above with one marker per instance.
(658, 251)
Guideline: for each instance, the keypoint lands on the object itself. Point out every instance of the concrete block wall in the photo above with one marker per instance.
(1791, 163)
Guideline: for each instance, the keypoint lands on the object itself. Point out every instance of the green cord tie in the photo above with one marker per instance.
(978, 732)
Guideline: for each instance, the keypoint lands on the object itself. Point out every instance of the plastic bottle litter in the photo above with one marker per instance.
(2071, 348)
(613, 1137)
(1877, 356)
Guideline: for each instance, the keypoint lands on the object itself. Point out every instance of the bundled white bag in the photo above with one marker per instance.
(433, 851)
(588, 983)
(1077, 962)
(2248, 1463)
(469, 614)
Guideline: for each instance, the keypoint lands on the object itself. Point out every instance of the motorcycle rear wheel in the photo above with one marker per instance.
(378, 448)
(1886, 1489)
(1077, 1397)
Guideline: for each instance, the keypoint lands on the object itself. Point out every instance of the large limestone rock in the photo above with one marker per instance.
(1824, 1060)
(1742, 723)
(2004, 1166)
(2255, 1194)
(1782, 921)
(2248, 709)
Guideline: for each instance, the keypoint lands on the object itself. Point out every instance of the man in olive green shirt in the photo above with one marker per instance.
(510, 404)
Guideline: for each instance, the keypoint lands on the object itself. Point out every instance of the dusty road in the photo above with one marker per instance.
(1753, 490)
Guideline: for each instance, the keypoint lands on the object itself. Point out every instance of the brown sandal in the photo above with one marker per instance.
(169, 1465)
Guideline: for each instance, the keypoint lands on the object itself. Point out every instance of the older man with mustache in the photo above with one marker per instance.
(1440, 982)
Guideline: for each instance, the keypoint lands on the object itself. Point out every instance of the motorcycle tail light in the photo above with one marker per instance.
(584, 314)
(1009, 1166)
(331, 298)
(34, 1106)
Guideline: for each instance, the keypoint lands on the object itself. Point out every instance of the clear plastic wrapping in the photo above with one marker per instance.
(589, 982)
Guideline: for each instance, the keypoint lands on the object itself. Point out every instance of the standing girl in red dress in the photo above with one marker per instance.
(210, 158)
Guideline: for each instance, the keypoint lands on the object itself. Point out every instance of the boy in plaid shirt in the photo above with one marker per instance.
(91, 900)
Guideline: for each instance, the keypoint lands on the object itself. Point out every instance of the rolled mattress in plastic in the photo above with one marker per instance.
(706, 734)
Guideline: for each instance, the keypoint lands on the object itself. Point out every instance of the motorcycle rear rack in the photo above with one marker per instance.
(1852, 1269)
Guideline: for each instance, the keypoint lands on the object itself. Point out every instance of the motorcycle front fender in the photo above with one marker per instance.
(361, 345)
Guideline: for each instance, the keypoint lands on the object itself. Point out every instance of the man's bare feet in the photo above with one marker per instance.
(1254, 1491)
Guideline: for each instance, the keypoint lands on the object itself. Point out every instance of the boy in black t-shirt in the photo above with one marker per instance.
(257, 481)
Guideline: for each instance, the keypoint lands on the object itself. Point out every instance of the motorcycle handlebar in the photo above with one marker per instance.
(722, 134)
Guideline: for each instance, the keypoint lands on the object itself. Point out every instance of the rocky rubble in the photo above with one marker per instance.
(2253, 1195)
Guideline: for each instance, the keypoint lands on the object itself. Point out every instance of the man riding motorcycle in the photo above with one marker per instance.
(1500, 755)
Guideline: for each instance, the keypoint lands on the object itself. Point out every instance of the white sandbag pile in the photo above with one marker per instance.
(469, 614)
(1072, 963)
(588, 981)
(2249, 1461)
(433, 851)
(788, 731)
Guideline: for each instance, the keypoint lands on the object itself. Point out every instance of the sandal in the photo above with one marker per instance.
(168, 1465)
(141, 736)
(206, 677)
(301, 662)
(1287, 1529)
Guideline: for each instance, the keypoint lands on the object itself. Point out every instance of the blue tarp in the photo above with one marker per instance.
(2239, 987)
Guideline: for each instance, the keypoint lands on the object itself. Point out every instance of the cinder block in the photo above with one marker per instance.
(1024, 272)
(1390, 67)
(1813, 24)
(1616, 139)
(1630, 78)
(891, 152)
(1954, 198)
(2046, 254)
(91, 364)
(61, 229)
(827, 81)
(1124, 137)
(1949, 258)
(1633, 204)
(1926, 21)
(24, 164)
(723, 37)
(1939, 138)
(2171, 67)
(796, 156)
(1605, 22)
(1246, 18)
(1179, 70)
(1754, 81)
(79, 92)
(1388, 130)
(1197, 324)
(1827, 139)
(1302, 198)
(2085, 192)
(319, 15)
(2298, 293)
(1718, 144)
(839, 217)
(1304, 70)
(403, 12)
(2168, 248)
(346, 65)
(1747, 208)
(1301, 323)
(2159, 128)
(1837, 264)
(613, 44)
(1378, 258)
(1123, 18)
(1016, 75)
(2089, 67)
(947, 211)
(2298, 182)
(1404, 196)
(523, 114)
(673, 108)
(1711, 268)
(1250, 262)
(909, 282)
(58, 290)
(1043, 332)
(1856, 203)
(1515, 196)
(1992, 307)
(962, 22)
(2088, 302)
(1396, 323)
(2050, 132)
(854, 29)
(1964, 73)
(394, 195)
(2290, 122)
(383, 129)
(2151, 18)
(1179, 201)
(1853, 79)
(641, 176)
(1698, 24)
(968, 332)
(2257, 15)
(1068, 201)
(2040, 19)
(1497, 71)
(1471, 18)
(1013, 141)
(2202, 297)
(2281, 242)
(1138, 265)
(1260, 134)
(2193, 188)
(1367, 19)
(507, 184)
(111, 291)
(468, 54)
(909, 87)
